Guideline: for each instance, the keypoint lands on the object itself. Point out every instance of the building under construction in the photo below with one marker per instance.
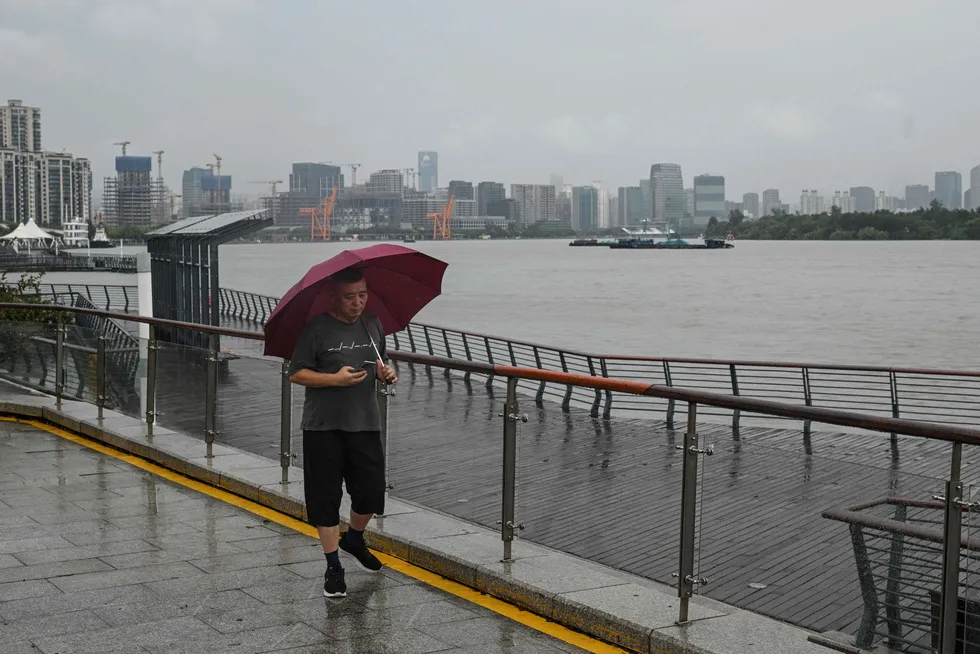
(352, 209)
(134, 196)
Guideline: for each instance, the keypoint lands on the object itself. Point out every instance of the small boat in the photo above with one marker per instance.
(101, 240)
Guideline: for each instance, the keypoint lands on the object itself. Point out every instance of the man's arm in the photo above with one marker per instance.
(302, 367)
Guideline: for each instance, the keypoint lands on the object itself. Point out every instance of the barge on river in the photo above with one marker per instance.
(671, 244)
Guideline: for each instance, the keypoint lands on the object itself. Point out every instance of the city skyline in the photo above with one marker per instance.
(199, 89)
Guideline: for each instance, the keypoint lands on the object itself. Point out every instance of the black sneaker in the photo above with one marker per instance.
(333, 583)
(367, 561)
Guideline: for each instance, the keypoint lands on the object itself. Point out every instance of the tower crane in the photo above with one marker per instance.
(123, 144)
(272, 183)
(320, 218)
(440, 224)
(218, 159)
(159, 154)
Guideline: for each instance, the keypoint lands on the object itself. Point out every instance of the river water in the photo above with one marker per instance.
(877, 303)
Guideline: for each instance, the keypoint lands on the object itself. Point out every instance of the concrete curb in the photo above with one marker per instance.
(612, 606)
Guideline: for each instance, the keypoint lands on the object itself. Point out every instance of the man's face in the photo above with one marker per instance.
(350, 300)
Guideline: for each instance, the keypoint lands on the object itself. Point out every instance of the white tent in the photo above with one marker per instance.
(29, 234)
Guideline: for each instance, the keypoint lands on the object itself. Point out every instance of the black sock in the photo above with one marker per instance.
(333, 560)
(354, 537)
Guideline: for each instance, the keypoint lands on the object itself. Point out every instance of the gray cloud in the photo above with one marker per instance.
(768, 92)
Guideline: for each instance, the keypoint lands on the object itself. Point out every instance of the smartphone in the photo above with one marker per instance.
(364, 365)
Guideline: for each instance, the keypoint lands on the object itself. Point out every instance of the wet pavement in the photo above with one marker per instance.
(99, 556)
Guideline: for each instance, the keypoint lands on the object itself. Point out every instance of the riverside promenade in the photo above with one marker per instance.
(201, 578)
(98, 556)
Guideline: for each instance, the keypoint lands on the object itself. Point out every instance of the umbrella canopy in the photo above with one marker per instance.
(400, 280)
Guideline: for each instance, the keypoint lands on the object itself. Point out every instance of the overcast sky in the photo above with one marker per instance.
(770, 93)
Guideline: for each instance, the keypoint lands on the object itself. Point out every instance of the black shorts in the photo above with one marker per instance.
(334, 457)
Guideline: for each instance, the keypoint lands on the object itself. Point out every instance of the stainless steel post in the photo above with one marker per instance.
(952, 532)
(151, 380)
(689, 502)
(384, 392)
(510, 415)
(59, 363)
(285, 423)
(100, 369)
(211, 394)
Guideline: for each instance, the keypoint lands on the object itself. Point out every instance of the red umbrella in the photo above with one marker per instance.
(400, 282)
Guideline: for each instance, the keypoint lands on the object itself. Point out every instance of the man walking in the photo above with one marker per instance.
(337, 359)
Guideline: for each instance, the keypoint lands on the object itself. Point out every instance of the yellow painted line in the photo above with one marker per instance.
(498, 606)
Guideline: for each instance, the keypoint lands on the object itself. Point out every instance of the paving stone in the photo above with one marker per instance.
(57, 570)
(34, 628)
(23, 589)
(109, 533)
(8, 561)
(126, 577)
(211, 583)
(205, 607)
(405, 641)
(74, 553)
(34, 544)
(182, 552)
(58, 602)
(150, 633)
(280, 638)
(275, 542)
(256, 559)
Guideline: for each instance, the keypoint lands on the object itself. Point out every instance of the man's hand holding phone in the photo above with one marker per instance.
(349, 376)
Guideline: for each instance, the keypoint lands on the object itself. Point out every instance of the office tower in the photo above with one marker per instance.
(770, 202)
(667, 187)
(709, 199)
(461, 190)
(949, 189)
(750, 205)
(585, 208)
(862, 199)
(487, 192)
(428, 171)
(917, 196)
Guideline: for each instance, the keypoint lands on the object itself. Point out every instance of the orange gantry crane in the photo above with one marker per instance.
(320, 218)
(440, 224)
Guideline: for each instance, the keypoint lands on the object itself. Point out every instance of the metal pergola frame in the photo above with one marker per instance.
(184, 268)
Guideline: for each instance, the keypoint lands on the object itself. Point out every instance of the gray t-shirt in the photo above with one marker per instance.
(327, 345)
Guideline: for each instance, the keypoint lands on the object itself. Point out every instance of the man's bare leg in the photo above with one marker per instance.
(359, 521)
(328, 538)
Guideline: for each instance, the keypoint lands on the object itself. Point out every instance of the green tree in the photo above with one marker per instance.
(91, 231)
(18, 324)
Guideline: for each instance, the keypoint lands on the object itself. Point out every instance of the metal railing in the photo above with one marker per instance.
(948, 629)
(941, 396)
(67, 263)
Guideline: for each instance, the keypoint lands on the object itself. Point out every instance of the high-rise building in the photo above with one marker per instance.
(862, 199)
(130, 196)
(811, 203)
(602, 207)
(968, 199)
(844, 202)
(20, 127)
(667, 185)
(974, 189)
(613, 211)
(916, 196)
(709, 199)
(487, 192)
(46, 187)
(461, 190)
(750, 205)
(216, 192)
(428, 170)
(314, 180)
(192, 194)
(646, 189)
(585, 208)
(949, 189)
(386, 181)
(770, 202)
(504, 208)
(536, 201)
(689, 203)
(630, 206)
(65, 188)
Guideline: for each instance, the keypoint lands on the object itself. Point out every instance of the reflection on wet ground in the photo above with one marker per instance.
(99, 556)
